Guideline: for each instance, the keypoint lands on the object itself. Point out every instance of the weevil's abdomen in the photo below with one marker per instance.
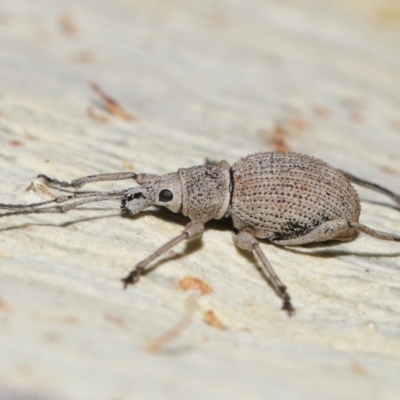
(286, 195)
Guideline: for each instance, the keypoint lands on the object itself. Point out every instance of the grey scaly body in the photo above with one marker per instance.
(286, 198)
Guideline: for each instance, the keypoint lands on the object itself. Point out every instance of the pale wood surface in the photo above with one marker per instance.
(204, 79)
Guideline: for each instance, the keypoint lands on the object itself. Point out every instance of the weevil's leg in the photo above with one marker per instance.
(246, 241)
(78, 183)
(193, 230)
(337, 229)
(372, 232)
(83, 198)
(373, 186)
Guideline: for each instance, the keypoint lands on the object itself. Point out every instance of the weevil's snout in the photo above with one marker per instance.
(135, 200)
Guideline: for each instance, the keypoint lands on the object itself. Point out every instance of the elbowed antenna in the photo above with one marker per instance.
(80, 182)
(83, 198)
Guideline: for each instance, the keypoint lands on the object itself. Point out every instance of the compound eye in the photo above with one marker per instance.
(165, 195)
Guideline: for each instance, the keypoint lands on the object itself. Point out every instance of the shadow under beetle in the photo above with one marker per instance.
(287, 198)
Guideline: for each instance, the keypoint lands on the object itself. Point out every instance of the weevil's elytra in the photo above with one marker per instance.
(286, 198)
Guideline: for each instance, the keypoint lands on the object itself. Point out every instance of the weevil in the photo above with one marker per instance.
(289, 199)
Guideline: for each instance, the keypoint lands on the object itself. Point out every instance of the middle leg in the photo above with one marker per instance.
(246, 241)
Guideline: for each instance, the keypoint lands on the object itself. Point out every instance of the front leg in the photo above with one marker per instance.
(193, 230)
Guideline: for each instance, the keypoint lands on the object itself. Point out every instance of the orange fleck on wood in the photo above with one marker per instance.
(16, 143)
(297, 124)
(388, 170)
(127, 165)
(110, 104)
(322, 111)
(30, 136)
(172, 333)
(190, 283)
(358, 369)
(4, 306)
(68, 25)
(96, 116)
(211, 319)
(85, 56)
(114, 320)
(278, 138)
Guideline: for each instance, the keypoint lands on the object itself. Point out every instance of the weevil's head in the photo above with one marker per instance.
(154, 190)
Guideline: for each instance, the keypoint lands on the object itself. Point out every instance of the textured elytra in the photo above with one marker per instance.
(286, 195)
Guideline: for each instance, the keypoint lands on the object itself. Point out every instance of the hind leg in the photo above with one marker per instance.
(373, 186)
(338, 229)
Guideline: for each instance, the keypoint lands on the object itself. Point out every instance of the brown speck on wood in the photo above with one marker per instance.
(158, 343)
(356, 106)
(110, 104)
(322, 111)
(297, 124)
(68, 25)
(277, 138)
(30, 136)
(388, 170)
(114, 320)
(127, 165)
(85, 56)
(211, 319)
(95, 115)
(16, 143)
(4, 306)
(190, 283)
(358, 369)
